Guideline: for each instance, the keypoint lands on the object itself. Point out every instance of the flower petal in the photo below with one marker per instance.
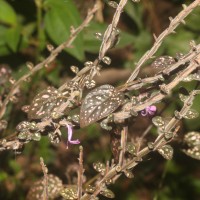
(153, 108)
(144, 112)
(70, 133)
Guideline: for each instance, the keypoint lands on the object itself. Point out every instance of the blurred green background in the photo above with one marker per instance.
(27, 26)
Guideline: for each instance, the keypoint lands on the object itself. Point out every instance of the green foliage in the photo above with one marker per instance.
(9, 29)
(91, 44)
(7, 14)
(59, 17)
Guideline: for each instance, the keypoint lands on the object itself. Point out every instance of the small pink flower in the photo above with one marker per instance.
(149, 110)
(70, 133)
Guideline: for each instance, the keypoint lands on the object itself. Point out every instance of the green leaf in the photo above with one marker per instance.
(2, 35)
(193, 20)
(28, 29)
(14, 166)
(135, 12)
(60, 16)
(3, 47)
(142, 44)
(53, 76)
(7, 14)
(3, 176)
(92, 44)
(13, 38)
(178, 43)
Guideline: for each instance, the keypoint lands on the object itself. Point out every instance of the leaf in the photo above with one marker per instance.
(131, 148)
(166, 151)
(4, 50)
(142, 43)
(193, 152)
(13, 38)
(99, 103)
(193, 20)
(44, 103)
(158, 121)
(92, 44)
(54, 186)
(181, 39)
(191, 114)
(7, 14)
(163, 62)
(99, 167)
(193, 124)
(192, 139)
(69, 192)
(107, 193)
(60, 16)
(135, 12)
(90, 189)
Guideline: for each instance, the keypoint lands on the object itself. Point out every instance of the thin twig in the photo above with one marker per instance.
(137, 84)
(124, 134)
(80, 173)
(45, 183)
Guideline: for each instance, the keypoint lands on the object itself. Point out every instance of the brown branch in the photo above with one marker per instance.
(80, 173)
(45, 182)
(124, 134)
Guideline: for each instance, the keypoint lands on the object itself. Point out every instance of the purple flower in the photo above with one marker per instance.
(70, 133)
(149, 110)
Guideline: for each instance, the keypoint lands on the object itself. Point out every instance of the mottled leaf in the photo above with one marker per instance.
(191, 114)
(37, 189)
(69, 192)
(163, 62)
(192, 139)
(166, 151)
(44, 103)
(99, 103)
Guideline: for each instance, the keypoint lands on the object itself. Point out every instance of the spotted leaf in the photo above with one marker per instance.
(192, 139)
(99, 103)
(163, 62)
(166, 151)
(44, 103)
(36, 191)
